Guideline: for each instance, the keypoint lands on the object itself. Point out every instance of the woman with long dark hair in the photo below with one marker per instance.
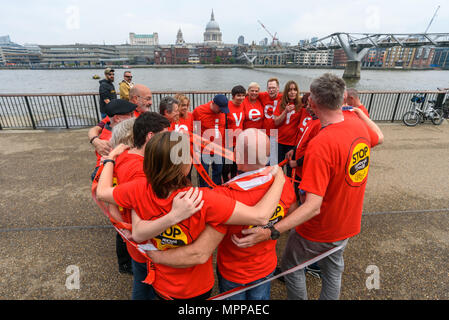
(286, 119)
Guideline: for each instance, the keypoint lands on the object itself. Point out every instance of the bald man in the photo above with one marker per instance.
(141, 95)
(237, 266)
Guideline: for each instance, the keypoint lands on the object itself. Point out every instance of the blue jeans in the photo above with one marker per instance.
(141, 291)
(299, 250)
(261, 292)
(217, 168)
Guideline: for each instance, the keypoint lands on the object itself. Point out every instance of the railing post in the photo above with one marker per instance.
(396, 107)
(370, 102)
(423, 101)
(29, 111)
(63, 112)
(96, 108)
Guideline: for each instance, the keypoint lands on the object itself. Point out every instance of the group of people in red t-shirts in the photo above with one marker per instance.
(173, 229)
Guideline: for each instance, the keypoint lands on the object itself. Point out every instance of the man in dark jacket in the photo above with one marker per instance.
(107, 90)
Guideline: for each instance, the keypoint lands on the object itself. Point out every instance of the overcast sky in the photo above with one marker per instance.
(99, 21)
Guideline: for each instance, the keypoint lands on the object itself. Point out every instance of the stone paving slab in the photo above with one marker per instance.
(49, 222)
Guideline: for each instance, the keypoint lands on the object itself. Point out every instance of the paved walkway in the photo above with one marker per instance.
(48, 221)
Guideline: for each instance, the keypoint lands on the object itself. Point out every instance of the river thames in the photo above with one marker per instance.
(207, 79)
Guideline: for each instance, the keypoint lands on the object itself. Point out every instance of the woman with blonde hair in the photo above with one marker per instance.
(185, 121)
(167, 162)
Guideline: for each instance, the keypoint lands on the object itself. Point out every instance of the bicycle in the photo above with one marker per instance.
(412, 118)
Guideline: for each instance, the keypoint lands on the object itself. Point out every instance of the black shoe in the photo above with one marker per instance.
(313, 271)
(125, 268)
(278, 271)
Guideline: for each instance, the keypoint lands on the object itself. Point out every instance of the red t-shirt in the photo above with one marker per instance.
(179, 283)
(244, 265)
(184, 124)
(336, 166)
(309, 132)
(129, 166)
(269, 106)
(362, 107)
(211, 121)
(235, 120)
(288, 129)
(304, 120)
(254, 114)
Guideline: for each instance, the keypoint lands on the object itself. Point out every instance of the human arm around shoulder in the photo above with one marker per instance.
(260, 213)
(184, 205)
(195, 253)
(103, 147)
(105, 187)
(297, 215)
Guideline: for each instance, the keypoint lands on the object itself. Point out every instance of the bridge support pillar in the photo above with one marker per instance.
(352, 70)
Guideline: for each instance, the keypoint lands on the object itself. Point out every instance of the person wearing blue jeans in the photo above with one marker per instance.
(261, 292)
(141, 291)
(217, 168)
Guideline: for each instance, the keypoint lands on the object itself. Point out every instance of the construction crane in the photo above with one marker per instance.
(432, 19)
(275, 41)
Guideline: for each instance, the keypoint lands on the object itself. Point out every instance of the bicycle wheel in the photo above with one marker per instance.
(437, 117)
(411, 118)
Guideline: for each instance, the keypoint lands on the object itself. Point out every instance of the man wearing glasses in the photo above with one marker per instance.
(107, 90)
(126, 85)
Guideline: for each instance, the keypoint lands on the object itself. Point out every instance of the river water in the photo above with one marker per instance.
(206, 79)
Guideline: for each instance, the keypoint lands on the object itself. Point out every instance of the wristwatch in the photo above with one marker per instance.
(274, 233)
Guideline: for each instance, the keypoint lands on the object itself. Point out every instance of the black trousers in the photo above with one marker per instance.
(282, 151)
(123, 257)
(229, 169)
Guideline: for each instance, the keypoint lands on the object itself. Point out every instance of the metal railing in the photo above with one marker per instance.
(79, 110)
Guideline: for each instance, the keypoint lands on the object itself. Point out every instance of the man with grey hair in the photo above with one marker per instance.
(169, 108)
(335, 173)
(352, 99)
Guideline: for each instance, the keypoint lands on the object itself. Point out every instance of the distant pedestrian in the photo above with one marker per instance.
(126, 85)
(107, 90)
